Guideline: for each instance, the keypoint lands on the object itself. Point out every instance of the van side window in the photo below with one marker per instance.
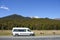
(19, 30)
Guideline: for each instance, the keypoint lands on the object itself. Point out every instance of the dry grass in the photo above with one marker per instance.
(46, 32)
(37, 32)
(5, 32)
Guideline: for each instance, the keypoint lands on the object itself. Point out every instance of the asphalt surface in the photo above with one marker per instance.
(30, 37)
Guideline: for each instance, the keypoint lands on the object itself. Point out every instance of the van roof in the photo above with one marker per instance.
(20, 28)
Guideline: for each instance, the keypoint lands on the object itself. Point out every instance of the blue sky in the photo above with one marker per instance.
(31, 8)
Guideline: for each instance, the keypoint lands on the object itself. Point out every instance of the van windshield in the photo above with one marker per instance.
(19, 30)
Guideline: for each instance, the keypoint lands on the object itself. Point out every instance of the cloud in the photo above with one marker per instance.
(35, 17)
(4, 7)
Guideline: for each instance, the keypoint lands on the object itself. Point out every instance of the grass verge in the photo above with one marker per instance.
(37, 32)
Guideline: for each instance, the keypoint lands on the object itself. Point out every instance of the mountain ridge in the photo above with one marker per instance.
(14, 16)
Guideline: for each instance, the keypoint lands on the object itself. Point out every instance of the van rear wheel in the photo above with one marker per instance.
(16, 35)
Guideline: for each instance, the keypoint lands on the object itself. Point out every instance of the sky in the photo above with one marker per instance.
(31, 8)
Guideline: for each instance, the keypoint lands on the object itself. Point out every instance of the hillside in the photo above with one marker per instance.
(15, 16)
(15, 20)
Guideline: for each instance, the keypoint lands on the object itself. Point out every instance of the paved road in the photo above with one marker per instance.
(30, 38)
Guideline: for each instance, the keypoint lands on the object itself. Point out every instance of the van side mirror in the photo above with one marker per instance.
(29, 30)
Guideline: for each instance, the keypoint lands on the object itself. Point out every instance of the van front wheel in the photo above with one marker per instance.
(32, 35)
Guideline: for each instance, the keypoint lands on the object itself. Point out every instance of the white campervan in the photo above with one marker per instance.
(22, 31)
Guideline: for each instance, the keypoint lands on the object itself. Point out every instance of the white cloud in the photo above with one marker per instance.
(35, 17)
(4, 7)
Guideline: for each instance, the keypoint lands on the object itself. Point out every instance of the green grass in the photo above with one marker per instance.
(37, 32)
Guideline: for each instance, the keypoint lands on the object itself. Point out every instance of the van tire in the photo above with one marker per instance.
(32, 35)
(16, 35)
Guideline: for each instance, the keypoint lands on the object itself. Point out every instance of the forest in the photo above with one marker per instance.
(8, 22)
